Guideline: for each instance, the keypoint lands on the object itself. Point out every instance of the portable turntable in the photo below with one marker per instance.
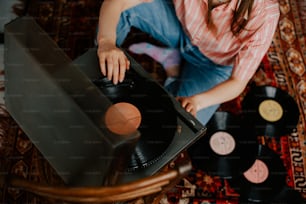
(60, 105)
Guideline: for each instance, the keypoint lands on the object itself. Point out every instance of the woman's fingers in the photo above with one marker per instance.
(123, 66)
(113, 64)
(120, 64)
(187, 104)
(102, 63)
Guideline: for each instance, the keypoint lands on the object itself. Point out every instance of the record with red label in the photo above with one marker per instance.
(227, 149)
(272, 111)
(263, 180)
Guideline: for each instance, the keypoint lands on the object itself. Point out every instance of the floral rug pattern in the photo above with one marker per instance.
(282, 67)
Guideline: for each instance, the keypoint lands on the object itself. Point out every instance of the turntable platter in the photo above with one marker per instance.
(159, 121)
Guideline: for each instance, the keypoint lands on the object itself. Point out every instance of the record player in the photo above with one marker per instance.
(60, 105)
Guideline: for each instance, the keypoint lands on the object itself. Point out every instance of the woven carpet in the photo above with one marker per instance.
(283, 67)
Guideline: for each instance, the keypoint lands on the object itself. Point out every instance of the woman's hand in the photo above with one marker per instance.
(223, 92)
(113, 61)
(190, 104)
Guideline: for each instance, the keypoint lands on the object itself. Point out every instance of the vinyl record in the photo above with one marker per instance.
(263, 180)
(227, 149)
(272, 111)
(158, 124)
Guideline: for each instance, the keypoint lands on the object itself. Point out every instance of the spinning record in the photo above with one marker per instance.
(158, 123)
(271, 110)
(263, 180)
(227, 149)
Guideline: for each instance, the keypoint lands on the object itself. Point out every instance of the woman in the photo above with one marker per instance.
(221, 43)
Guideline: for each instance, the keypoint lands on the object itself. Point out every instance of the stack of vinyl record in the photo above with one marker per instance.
(231, 150)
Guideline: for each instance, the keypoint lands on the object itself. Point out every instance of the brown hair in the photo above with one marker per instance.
(238, 22)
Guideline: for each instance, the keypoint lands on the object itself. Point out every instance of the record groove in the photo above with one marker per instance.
(272, 111)
(227, 149)
(159, 121)
(263, 180)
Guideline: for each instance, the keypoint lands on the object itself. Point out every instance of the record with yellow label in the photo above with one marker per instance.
(271, 111)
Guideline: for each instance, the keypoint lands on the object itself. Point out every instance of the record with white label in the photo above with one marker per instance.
(227, 149)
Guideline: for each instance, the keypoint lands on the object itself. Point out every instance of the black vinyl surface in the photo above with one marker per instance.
(280, 127)
(231, 164)
(159, 120)
(270, 187)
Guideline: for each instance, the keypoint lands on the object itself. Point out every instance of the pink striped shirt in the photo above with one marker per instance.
(245, 51)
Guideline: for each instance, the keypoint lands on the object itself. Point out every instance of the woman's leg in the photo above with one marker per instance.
(199, 74)
(156, 18)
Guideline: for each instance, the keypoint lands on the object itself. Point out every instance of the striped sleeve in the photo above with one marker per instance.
(250, 56)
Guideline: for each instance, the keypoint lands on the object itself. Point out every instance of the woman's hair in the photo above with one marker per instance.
(238, 22)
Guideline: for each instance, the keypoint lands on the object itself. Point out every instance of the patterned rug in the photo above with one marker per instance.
(282, 67)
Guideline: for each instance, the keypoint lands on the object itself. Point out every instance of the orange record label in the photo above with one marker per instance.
(122, 118)
(222, 143)
(258, 172)
(270, 110)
